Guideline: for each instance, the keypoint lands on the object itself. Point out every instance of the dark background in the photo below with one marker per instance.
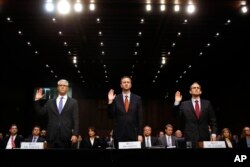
(222, 69)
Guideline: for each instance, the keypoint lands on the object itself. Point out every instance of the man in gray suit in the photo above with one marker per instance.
(168, 140)
(63, 117)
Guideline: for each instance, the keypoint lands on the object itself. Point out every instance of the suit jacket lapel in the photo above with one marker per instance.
(121, 102)
(192, 108)
(66, 104)
(201, 107)
(131, 101)
(55, 106)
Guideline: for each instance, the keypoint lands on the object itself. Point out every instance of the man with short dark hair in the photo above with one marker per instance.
(126, 110)
(197, 114)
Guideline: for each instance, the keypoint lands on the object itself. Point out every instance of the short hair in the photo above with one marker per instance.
(194, 83)
(63, 81)
(169, 126)
(126, 77)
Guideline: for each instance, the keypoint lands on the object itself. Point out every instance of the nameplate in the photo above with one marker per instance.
(214, 144)
(130, 145)
(32, 145)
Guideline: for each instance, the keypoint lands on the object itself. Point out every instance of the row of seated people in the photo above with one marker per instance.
(167, 140)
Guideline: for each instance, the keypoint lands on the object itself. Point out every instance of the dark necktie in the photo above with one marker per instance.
(126, 103)
(60, 105)
(197, 109)
(34, 139)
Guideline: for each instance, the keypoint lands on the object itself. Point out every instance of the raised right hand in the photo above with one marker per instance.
(39, 94)
(178, 96)
(111, 96)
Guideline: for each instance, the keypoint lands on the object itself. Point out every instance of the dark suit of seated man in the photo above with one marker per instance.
(148, 140)
(35, 137)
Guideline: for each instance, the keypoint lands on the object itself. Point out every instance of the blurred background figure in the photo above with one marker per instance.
(148, 139)
(226, 136)
(92, 141)
(13, 140)
(245, 138)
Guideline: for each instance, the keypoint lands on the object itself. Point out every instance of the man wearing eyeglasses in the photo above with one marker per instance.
(63, 117)
(197, 114)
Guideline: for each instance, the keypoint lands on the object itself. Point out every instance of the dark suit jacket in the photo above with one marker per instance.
(98, 143)
(197, 129)
(242, 144)
(17, 141)
(127, 125)
(154, 142)
(40, 139)
(233, 142)
(65, 124)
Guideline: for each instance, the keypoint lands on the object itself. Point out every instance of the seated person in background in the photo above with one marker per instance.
(92, 141)
(179, 139)
(236, 138)
(245, 138)
(35, 137)
(178, 134)
(43, 133)
(110, 140)
(161, 134)
(168, 140)
(148, 140)
(13, 140)
(226, 136)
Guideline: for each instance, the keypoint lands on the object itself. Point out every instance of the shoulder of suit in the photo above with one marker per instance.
(204, 100)
(71, 99)
(135, 95)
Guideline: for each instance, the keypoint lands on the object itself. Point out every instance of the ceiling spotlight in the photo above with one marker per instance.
(49, 6)
(176, 8)
(98, 20)
(148, 7)
(78, 6)
(92, 7)
(20, 32)
(162, 8)
(190, 8)
(244, 9)
(63, 7)
(9, 19)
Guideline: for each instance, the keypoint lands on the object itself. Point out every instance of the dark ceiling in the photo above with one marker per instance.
(190, 59)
